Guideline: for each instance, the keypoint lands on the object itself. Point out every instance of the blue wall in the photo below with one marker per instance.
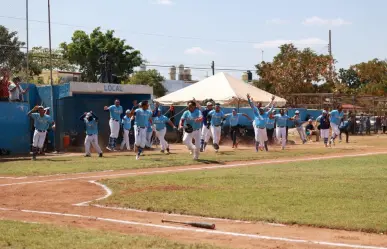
(15, 130)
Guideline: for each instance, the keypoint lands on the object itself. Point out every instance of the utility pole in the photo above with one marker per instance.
(27, 68)
(262, 54)
(330, 43)
(213, 67)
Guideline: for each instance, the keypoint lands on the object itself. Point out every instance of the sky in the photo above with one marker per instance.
(231, 33)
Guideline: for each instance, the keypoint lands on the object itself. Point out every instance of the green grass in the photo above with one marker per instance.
(19, 235)
(46, 166)
(348, 193)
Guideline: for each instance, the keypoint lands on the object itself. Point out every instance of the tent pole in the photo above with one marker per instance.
(239, 100)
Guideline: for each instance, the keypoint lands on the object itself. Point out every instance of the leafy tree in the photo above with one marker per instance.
(295, 71)
(85, 51)
(151, 78)
(40, 57)
(11, 56)
(264, 85)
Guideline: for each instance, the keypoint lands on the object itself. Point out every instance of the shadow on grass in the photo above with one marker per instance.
(204, 161)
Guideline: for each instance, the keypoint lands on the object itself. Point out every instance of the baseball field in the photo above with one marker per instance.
(304, 197)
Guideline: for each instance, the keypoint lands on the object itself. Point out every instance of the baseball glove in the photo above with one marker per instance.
(188, 128)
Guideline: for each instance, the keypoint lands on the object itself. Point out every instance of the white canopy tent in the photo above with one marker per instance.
(222, 88)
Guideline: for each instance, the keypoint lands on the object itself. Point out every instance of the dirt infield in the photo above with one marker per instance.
(53, 199)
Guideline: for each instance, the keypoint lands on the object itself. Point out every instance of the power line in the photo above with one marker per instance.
(150, 34)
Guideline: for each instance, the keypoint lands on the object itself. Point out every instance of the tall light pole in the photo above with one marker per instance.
(262, 54)
(53, 112)
(27, 59)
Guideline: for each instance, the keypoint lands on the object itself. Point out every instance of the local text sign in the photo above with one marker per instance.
(112, 88)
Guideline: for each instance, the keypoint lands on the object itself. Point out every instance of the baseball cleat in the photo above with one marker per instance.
(87, 155)
(100, 155)
(137, 157)
(162, 151)
(108, 148)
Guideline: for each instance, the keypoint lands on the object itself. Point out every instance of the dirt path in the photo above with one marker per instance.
(53, 199)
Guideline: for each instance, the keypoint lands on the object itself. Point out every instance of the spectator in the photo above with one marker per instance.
(16, 91)
(4, 83)
(368, 126)
(344, 128)
(362, 122)
(378, 123)
(310, 131)
(384, 123)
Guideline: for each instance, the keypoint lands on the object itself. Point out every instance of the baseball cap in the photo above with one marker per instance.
(40, 107)
(209, 103)
(324, 112)
(310, 120)
(88, 115)
(234, 110)
(47, 108)
(297, 112)
(127, 111)
(217, 104)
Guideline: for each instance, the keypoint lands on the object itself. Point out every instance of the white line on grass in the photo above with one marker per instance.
(216, 232)
(198, 168)
(109, 192)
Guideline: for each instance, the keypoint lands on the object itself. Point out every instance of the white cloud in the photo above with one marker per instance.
(308, 42)
(197, 50)
(164, 2)
(318, 21)
(277, 21)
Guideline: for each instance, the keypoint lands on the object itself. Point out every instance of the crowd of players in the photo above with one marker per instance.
(198, 125)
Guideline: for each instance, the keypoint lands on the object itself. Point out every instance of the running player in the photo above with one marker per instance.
(298, 123)
(142, 117)
(114, 123)
(126, 125)
(159, 122)
(234, 125)
(324, 126)
(41, 122)
(91, 139)
(216, 118)
(336, 116)
(206, 132)
(281, 120)
(191, 122)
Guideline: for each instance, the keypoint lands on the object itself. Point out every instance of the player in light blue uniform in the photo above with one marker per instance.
(335, 118)
(299, 126)
(191, 122)
(260, 119)
(114, 123)
(216, 118)
(234, 119)
(41, 122)
(159, 123)
(91, 123)
(281, 122)
(270, 123)
(142, 117)
(126, 126)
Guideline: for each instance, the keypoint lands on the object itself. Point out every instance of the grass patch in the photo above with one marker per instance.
(348, 193)
(19, 235)
(47, 166)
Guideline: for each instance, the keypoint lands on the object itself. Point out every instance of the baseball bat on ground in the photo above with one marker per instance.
(192, 224)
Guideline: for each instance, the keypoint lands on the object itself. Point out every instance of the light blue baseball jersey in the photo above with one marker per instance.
(270, 123)
(160, 122)
(115, 112)
(281, 120)
(126, 122)
(189, 118)
(260, 120)
(91, 127)
(216, 117)
(41, 123)
(336, 116)
(297, 121)
(142, 118)
(234, 119)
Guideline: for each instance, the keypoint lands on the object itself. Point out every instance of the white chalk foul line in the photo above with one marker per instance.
(216, 232)
(197, 168)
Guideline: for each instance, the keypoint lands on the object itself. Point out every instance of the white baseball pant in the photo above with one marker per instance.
(335, 129)
(260, 135)
(149, 139)
(38, 139)
(216, 134)
(187, 140)
(161, 136)
(92, 140)
(281, 134)
(302, 133)
(140, 136)
(125, 140)
(324, 133)
(114, 128)
(206, 134)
